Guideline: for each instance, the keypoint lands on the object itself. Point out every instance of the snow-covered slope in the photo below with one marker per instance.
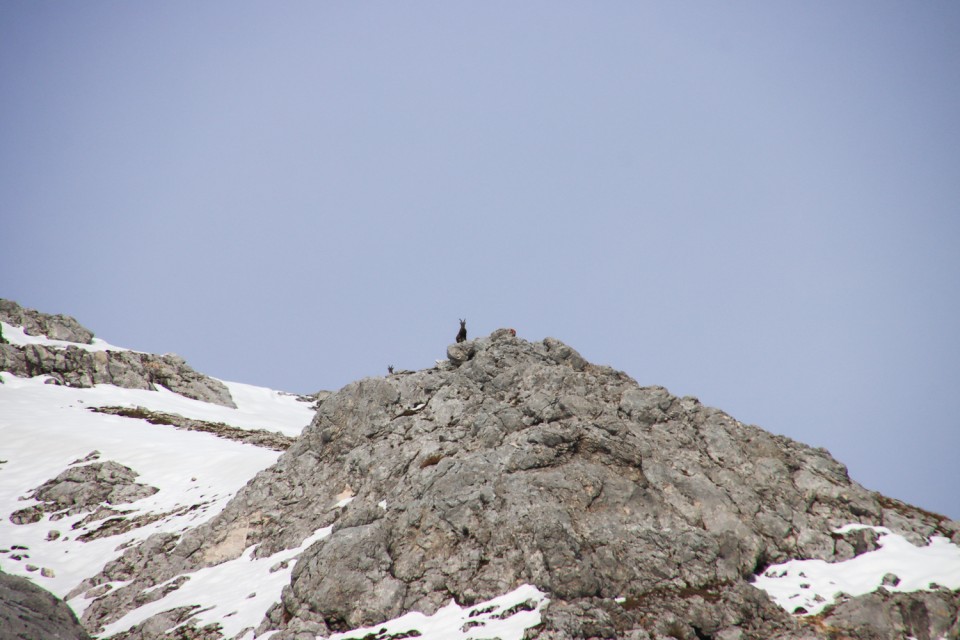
(47, 428)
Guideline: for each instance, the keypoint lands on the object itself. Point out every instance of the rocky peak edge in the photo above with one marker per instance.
(77, 366)
(641, 514)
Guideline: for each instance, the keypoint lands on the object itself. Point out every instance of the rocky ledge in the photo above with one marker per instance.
(79, 367)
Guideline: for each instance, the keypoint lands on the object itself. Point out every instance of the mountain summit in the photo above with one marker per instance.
(516, 490)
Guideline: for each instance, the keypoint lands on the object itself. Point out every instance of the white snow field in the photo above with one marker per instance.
(46, 428)
(234, 594)
(814, 584)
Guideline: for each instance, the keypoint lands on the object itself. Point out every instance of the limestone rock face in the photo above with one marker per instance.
(882, 614)
(35, 323)
(641, 514)
(78, 367)
(84, 488)
(27, 611)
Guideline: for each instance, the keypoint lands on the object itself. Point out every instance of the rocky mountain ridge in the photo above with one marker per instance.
(639, 514)
(75, 364)
(643, 515)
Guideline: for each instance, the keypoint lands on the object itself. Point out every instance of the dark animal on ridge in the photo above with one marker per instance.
(462, 334)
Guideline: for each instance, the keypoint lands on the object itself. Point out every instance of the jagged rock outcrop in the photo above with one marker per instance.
(36, 323)
(641, 514)
(28, 612)
(78, 367)
(257, 437)
(924, 615)
(84, 488)
(95, 490)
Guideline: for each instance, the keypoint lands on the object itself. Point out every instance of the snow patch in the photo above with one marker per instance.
(505, 617)
(234, 594)
(47, 428)
(809, 586)
(262, 408)
(16, 336)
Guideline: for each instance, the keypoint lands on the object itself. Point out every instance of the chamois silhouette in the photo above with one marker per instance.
(462, 334)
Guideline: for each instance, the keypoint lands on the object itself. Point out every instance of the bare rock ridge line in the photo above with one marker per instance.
(36, 323)
(76, 367)
(79, 367)
(257, 437)
(643, 515)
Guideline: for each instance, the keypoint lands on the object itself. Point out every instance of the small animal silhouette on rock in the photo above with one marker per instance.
(462, 334)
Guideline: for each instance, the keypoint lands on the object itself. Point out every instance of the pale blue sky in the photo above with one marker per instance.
(754, 203)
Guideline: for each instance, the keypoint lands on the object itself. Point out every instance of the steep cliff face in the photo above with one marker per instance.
(640, 514)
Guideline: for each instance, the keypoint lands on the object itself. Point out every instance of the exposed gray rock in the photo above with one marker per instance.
(83, 489)
(883, 615)
(172, 372)
(853, 543)
(460, 352)
(890, 580)
(76, 367)
(35, 323)
(28, 612)
(641, 514)
(318, 397)
(257, 437)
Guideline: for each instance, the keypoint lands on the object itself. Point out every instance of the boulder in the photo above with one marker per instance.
(81, 489)
(35, 323)
(27, 611)
(924, 615)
